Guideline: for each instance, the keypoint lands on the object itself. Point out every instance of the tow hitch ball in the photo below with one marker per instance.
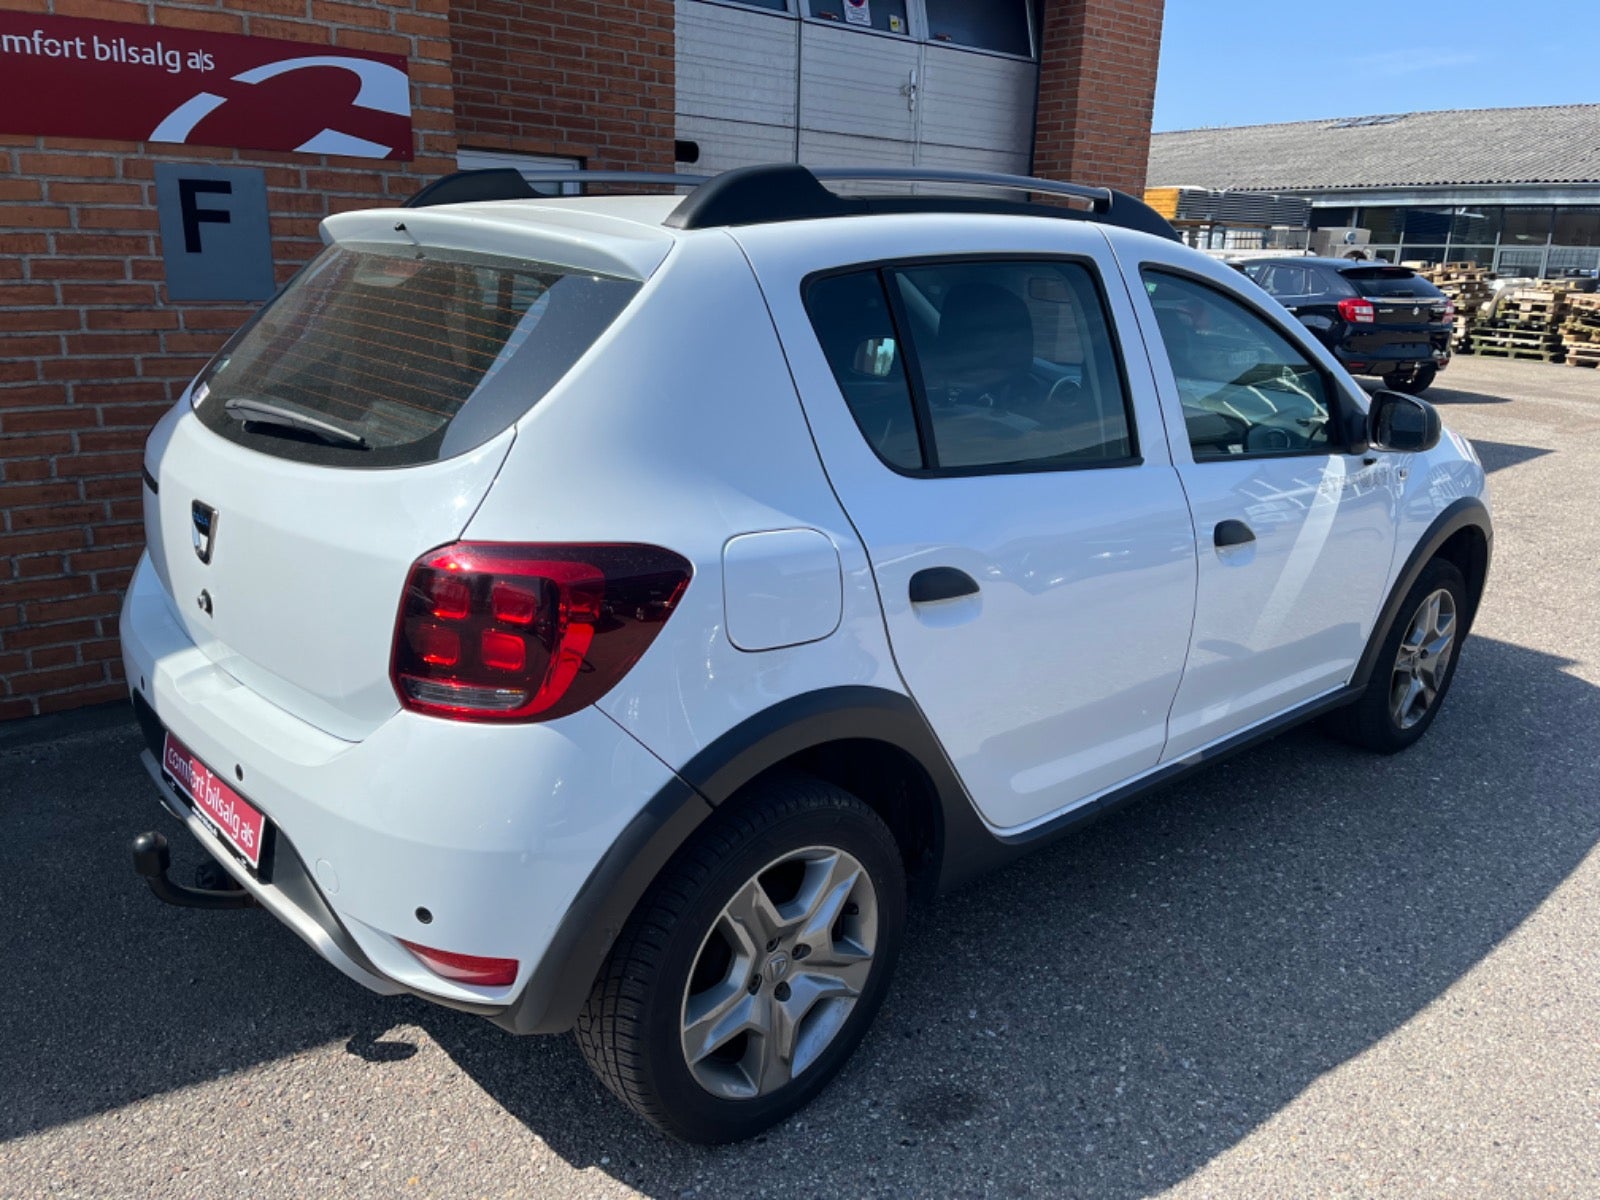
(151, 858)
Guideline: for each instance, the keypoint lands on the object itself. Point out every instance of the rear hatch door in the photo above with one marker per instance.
(357, 422)
(1410, 317)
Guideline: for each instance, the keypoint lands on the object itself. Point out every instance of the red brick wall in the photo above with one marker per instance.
(1097, 87)
(588, 79)
(91, 350)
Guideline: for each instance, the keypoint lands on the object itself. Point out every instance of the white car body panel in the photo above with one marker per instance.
(473, 822)
(307, 563)
(704, 439)
(1053, 683)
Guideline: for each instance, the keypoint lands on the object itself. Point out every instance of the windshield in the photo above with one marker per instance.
(389, 355)
(1392, 281)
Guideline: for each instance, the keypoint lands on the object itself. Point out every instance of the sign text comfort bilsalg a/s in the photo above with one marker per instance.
(68, 77)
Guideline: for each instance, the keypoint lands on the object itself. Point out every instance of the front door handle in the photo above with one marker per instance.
(1232, 533)
(941, 583)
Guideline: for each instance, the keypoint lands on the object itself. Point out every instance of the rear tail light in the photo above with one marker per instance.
(493, 631)
(1358, 312)
(465, 968)
(1450, 313)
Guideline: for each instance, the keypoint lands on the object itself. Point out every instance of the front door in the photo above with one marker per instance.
(1008, 476)
(1294, 534)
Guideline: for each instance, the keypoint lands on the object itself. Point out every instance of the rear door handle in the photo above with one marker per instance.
(941, 583)
(1232, 533)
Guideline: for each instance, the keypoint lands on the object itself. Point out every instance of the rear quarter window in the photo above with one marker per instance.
(408, 354)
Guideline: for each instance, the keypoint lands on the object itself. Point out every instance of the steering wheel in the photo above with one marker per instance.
(1064, 390)
(1268, 437)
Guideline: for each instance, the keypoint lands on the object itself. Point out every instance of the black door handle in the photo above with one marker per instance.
(1233, 533)
(941, 583)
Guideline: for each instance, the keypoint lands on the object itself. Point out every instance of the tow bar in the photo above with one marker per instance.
(151, 859)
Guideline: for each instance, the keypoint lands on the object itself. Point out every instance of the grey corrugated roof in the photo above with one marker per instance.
(1558, 144)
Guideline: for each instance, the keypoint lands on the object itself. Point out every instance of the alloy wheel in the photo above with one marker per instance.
(779, 972)
(1423, 662)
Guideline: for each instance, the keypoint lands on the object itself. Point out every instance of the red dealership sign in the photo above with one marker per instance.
(141, 83)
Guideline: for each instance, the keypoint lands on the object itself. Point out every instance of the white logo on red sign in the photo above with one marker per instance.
(383, 89)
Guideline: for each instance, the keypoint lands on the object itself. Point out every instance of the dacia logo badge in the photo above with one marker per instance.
(204, 519)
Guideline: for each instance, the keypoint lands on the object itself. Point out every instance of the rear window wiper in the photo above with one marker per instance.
(272, 412)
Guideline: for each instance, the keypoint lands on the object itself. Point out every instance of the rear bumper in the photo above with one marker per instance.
(494, 831)
(1404, 350)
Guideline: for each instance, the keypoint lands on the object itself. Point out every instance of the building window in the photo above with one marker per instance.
(1577, 227)
(886, 16)
(1000, 25)
(1475, 225)
(1526, 226)
(1424, 226)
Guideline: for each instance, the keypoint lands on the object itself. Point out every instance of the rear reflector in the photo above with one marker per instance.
(465, 968)
(495, 631)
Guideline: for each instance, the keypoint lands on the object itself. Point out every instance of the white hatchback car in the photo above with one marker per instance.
(606, 613)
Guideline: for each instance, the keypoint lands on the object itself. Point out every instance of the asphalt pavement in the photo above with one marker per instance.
(1307, 972)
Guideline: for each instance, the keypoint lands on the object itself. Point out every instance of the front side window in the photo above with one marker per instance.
(1245, 388)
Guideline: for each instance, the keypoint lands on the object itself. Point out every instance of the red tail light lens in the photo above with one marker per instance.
(492, 631)
(465, 968)
(1450, 313)
(1358, 312)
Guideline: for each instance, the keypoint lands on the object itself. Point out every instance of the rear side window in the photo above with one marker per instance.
(1391, 281)
(385, 356)
(850, 314)
(1284, 281)
(975, 367)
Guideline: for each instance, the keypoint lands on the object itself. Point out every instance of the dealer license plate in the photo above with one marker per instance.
(233, 817)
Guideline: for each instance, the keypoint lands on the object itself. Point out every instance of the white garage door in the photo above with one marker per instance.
(874, 82)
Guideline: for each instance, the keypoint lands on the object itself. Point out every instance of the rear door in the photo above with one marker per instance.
(1294, 534)
(357, 422)
(1005, 467)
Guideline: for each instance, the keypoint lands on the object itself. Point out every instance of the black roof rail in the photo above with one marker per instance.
(779, 192)
(512, 183)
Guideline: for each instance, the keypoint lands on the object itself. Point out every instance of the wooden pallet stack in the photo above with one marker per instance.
(1469, 286)
(1581, 330)
(1524, 322)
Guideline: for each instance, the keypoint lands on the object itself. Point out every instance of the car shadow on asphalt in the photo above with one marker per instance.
(1104, 1017)
(1107, 1016)
(1497, 456)
(1444, 395)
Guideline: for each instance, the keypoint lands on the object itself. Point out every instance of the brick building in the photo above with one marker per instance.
(95, 345)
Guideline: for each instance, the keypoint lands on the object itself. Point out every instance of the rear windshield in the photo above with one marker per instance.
(1392, 281)
(386, 356)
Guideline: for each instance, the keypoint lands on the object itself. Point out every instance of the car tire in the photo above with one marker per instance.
(1413, 381)
(1415, 666)
(779, 921)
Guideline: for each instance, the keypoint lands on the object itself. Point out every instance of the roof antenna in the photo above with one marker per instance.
(400, 227)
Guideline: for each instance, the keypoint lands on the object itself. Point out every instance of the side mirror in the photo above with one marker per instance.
(1396, 421)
